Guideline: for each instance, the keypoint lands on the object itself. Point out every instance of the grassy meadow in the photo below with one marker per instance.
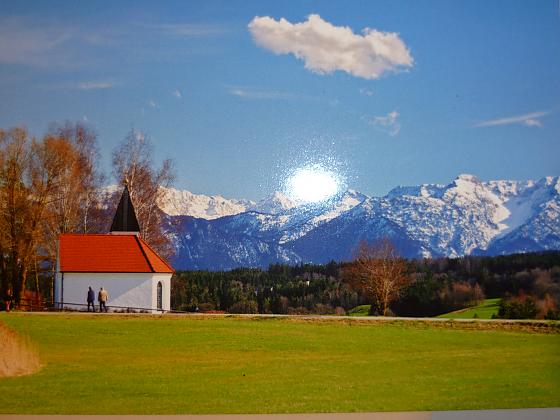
(362, 310)
(483, 311)
(99, 364)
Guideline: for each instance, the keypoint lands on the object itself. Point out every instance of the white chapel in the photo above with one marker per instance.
(134, 275)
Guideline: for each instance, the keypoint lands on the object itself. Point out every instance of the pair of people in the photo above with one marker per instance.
(102, 298)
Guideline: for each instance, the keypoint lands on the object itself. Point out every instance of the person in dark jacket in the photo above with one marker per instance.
(91, 299)
(8, 299)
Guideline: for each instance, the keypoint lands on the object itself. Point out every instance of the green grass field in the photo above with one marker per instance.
(484, 311)
(98, 364)
(362, 310)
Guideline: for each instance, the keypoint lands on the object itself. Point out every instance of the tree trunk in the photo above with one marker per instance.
(385, 307)
(22, 283)
(3, 274)
(36, 278)
(15, 276)
(53, 275)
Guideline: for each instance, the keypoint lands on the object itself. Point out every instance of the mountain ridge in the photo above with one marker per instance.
(464, 217)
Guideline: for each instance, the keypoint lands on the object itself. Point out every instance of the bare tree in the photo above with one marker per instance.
(133, 165)
(3, 226)
(75, 204)
(79, 203)
(379, 272)
(47, 165)
(44, 191)
(14, 160)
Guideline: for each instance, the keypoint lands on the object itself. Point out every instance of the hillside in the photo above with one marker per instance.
(483, 311)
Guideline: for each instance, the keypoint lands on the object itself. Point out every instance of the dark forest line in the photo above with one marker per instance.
(438, 286)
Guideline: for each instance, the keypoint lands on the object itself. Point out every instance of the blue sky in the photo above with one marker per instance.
(444, 88)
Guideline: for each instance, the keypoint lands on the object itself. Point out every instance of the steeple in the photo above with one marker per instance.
(125, 219)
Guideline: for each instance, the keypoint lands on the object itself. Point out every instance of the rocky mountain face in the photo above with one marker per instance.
(465, 217)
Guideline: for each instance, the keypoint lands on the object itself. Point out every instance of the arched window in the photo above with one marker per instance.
(159, 295)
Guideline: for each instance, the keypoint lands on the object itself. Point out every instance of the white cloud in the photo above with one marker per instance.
(177, 93)
(251, 93)
(152, 103)
(387, 123)
(96, 85)
(326, 48)
(530, 120)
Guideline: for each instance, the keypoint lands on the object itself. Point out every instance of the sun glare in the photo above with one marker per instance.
(312, 184)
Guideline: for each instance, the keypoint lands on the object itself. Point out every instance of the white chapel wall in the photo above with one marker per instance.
(165, 280)
(129, 290)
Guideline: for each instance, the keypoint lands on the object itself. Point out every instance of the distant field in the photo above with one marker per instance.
(362, 310)
(99, 364)
(484, 310)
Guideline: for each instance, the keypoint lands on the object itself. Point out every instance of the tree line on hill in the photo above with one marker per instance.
(529, 285)
(447, 284)
(55, 185)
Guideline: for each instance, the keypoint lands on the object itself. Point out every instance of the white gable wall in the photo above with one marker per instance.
(126, 290)
(165, 280)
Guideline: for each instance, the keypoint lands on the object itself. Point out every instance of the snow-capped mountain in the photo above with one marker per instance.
(465, 217)
(184, 203)
(275, 204)
(176, 202)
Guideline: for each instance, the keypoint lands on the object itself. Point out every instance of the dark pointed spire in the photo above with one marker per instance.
(125, 218)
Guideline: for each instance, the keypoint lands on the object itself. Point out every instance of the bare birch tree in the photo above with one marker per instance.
(44, 189)
(79, 198)
(133, 165)
(48, 161)
(14, 159)
(29, 175)
(379, 272)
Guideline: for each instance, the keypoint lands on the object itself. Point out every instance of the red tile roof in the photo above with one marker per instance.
(109, 254)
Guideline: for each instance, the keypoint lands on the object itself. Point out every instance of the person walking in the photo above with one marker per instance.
(91, 299)
(102, 297)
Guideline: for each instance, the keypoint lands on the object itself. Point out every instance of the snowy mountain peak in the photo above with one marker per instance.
(276, 203)
(552, 182)
(401, 190)
(467, 178)
(355, 194)
(176, 202)
(463, 217)
(557, 184)
(351, 198)
(423, 190)
(469, 189)
(465, 183)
